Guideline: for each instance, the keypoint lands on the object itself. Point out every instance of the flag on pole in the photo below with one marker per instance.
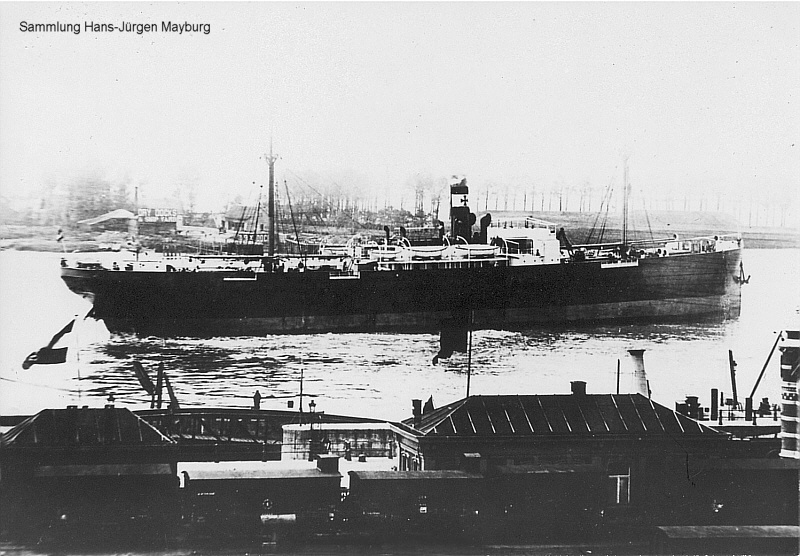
(452, 337)
(53, 353)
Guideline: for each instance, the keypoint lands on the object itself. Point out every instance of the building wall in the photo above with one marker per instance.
(639, 482)
(546, 506)
(105, 507)
(345, 441)
(236, 505)
(439, 508)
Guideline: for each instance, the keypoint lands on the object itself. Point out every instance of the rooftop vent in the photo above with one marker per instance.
(578, 387)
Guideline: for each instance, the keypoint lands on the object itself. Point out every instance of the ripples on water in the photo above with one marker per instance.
(378, 374)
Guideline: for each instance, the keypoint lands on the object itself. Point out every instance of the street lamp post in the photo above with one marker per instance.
(312, 406)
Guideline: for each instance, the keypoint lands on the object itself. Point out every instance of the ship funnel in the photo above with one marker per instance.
(460, 216)
(486, 221)
(639, 375)
(790, 377)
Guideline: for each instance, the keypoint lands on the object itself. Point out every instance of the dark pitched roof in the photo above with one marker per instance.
(119, 214)
(729, 531)
(548, 468)
(245, 213)
(111, 426)
(556, 415)
(438, 474)
(211, 474)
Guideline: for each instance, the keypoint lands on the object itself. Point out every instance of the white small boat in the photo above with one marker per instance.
(427, 252)
(476, 250)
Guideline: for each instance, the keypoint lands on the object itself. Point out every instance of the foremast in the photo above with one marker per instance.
(626, 187)
(271, 158)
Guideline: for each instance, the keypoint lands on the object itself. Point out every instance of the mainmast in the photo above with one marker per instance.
(271, 158)
(625, 191)
(134, 228)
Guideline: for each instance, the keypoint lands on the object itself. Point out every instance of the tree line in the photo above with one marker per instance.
(351, 201)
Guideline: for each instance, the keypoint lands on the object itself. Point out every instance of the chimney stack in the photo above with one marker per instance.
(417, 404)
(639, 375)
(578, 387)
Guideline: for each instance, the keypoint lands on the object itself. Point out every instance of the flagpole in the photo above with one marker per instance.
(78, 360)
(469, 352)
(301, 392)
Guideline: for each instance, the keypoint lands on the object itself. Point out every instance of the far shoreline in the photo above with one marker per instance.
(15, 237)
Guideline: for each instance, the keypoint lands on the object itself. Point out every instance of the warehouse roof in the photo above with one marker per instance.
(110, 426)
(556, 415)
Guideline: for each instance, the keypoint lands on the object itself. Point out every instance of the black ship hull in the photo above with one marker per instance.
(682, 288)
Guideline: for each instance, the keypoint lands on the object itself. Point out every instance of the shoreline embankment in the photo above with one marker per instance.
(581, 227)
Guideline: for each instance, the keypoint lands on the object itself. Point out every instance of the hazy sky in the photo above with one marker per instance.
(698, 96)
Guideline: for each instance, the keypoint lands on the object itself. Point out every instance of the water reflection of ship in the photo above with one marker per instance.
(508, 273)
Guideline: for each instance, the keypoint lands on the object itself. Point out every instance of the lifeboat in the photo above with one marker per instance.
(476, 250)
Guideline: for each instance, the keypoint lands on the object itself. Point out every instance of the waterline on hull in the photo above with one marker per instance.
(675, 309)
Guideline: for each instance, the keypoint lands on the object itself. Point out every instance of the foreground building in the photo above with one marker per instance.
(587, 465)
(90, 472)
(574, 468)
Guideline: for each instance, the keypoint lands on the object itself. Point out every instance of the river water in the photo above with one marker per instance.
(377, 375)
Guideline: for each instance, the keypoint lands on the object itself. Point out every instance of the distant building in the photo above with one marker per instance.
(119, 220)
(246, 219)
(158, 220)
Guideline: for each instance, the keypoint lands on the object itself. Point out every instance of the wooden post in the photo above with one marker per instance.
(714, 404)
(732, 365)
(469, 352)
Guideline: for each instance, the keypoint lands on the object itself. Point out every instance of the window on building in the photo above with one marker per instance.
(409, 462)
(619, 484)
